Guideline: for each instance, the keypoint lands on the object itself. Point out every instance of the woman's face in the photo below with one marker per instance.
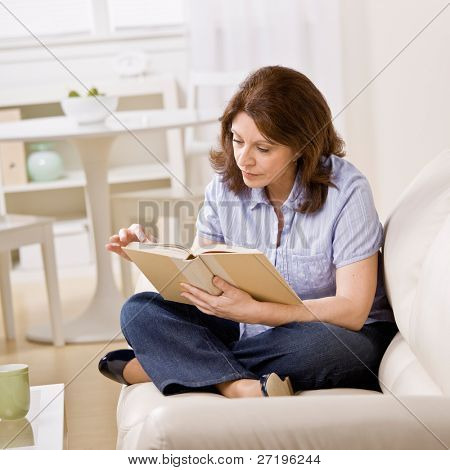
(261, 162)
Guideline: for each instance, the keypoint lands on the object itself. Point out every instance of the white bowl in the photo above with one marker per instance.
(89, 109)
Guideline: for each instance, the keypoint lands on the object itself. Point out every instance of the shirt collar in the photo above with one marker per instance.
(258, 195)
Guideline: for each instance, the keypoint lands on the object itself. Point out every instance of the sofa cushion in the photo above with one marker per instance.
(149, 420)
(417, 271)
(138, 402)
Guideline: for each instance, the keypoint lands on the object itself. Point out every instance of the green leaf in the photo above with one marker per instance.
(93, 92)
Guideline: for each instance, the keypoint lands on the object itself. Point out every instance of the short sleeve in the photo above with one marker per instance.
(208, 222)
(358, 232)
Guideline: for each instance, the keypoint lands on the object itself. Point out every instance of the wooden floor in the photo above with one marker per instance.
(90, 398)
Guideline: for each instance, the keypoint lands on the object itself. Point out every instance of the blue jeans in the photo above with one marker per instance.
(183, 349)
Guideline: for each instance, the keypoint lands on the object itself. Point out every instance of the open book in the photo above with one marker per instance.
(166, 265)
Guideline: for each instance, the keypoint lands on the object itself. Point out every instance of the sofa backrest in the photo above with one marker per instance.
(416, 258)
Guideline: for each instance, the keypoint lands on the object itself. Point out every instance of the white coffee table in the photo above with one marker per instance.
(43, 428)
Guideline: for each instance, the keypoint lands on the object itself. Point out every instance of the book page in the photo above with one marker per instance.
(165, 249)
(223, 248)
(179, 251)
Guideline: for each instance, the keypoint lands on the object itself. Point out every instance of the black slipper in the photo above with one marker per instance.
(113, 364)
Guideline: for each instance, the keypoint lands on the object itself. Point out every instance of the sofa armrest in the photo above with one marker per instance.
(332, 422)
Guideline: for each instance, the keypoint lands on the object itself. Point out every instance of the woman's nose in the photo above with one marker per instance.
(245, 157)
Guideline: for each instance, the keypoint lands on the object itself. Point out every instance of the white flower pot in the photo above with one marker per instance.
(89, 109)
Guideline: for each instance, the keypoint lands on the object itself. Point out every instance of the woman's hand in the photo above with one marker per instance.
(134, 233)
(232, 304)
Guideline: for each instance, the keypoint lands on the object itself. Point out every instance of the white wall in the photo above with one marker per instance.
(31, 74)
(392, 129)
(402, 120)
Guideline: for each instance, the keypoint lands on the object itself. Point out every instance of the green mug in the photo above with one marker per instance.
(14, 391)
(17, 433)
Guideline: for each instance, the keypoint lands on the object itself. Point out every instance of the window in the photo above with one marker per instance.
(45, 18)
(133, 14)
(86, 18)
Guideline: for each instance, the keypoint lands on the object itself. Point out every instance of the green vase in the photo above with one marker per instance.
(43, 163)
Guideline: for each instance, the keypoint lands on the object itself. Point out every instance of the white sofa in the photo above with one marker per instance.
(413, 410)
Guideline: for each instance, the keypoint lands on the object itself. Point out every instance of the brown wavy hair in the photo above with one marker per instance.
(287, 109)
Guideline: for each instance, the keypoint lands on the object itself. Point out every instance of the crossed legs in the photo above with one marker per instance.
(182, 349)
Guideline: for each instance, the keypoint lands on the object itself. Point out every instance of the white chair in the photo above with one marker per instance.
(220, 86)
(16, 231)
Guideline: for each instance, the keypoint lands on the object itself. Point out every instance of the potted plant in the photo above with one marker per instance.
(89, 109)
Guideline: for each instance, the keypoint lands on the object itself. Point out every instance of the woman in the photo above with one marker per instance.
(281, 186)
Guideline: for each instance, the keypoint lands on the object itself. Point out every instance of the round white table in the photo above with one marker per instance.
(100, 321)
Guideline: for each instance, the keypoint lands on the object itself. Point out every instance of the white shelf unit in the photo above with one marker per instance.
(76, 178)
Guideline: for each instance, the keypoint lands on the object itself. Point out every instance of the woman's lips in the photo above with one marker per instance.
(248, 175)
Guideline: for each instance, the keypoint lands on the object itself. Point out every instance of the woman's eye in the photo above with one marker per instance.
(262, 150)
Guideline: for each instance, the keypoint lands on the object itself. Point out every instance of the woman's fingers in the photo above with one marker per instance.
(117, 249)
(138, 232)
(116, 239)
(201, 305)
(134, 233)
(115, 246)
(125, 236)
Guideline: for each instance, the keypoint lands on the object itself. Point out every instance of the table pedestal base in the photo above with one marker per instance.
(99, 323)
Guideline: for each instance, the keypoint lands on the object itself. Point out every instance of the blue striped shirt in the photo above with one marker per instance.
(312, 246)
